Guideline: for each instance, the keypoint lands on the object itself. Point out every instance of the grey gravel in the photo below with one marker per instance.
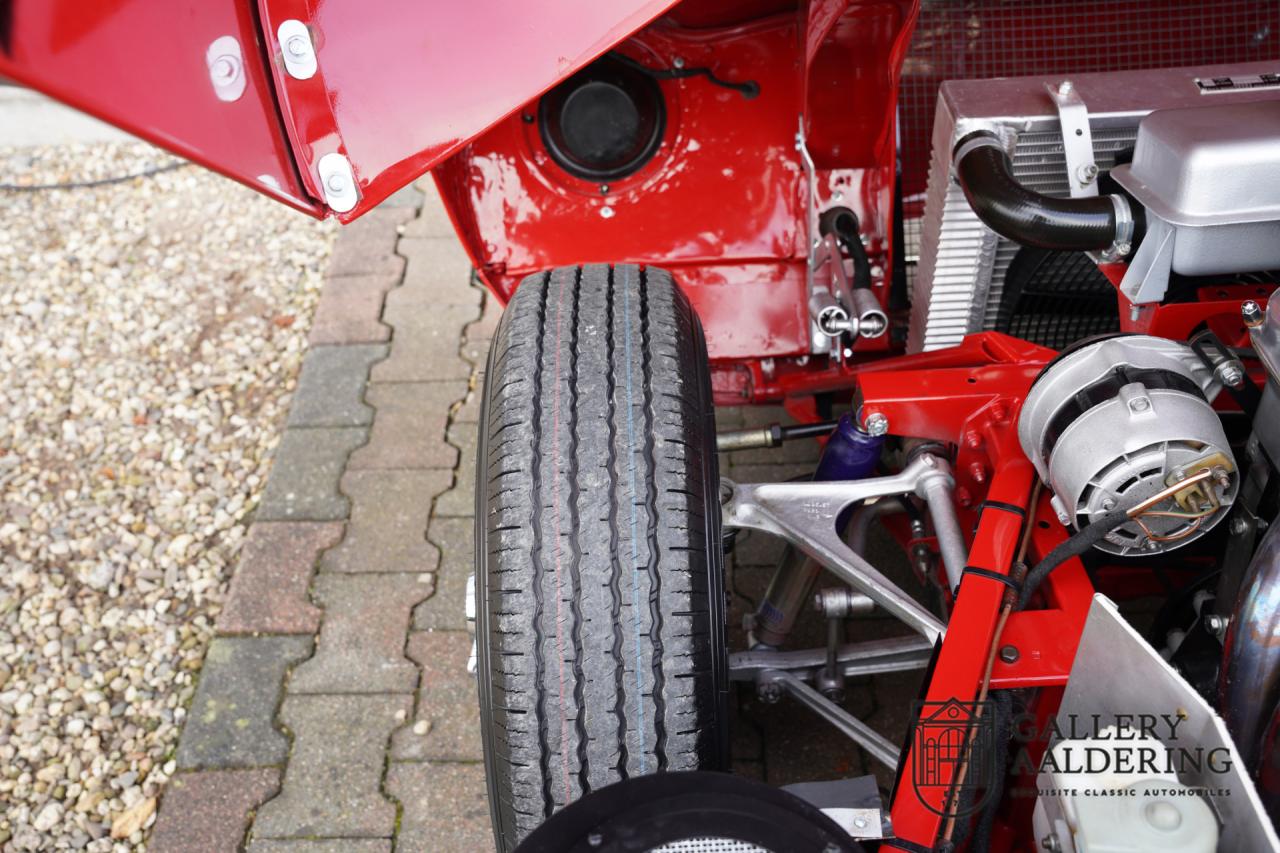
(150, 337)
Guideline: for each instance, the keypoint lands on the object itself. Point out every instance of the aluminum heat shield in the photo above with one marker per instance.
(1117, 675)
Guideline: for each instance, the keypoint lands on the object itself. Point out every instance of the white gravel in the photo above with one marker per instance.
(150, 334)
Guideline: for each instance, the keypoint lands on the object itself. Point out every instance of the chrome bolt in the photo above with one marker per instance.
(1251, 313)
(337, 184)
(1231, 374)
(298, 46)
(1215, 624)
(1140, 404)
(225, 69)
(678, 62)
(770, 693)
(1108, 504)
(876, 424)
(595, 839)
(1051, 843)
(1009, 654)
(1239, 526)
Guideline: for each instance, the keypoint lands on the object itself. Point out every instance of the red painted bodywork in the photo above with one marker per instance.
(403, 89)
(140, 64)
(722, 204)
(402, 86)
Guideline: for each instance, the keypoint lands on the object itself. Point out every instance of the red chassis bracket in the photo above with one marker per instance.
(969, 397)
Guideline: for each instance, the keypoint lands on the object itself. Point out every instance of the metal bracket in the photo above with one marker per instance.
(338, 182)
(818, 341)
(226, 68)
(296, 49)
(1077, 140)
(805, 513)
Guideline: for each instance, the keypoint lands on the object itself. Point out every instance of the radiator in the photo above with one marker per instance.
(962, 264)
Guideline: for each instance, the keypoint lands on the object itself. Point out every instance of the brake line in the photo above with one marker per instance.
(1007, 602)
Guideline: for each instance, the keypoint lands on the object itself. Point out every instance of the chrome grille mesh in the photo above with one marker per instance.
(709, 845)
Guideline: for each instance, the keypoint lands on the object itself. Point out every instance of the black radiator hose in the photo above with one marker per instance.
(1022, 215)
(843, 222)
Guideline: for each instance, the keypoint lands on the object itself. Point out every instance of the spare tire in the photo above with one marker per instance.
(599, 581)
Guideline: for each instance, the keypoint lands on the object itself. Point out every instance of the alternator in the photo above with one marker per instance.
(1116, 422)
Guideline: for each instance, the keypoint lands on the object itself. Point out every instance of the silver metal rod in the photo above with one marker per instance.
(937, 494)
(744, 439)
(877, 746)
(891, 654)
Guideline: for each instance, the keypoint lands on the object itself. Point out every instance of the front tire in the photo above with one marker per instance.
(600, 585)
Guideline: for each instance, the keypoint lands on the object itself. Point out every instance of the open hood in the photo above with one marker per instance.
(329, 105)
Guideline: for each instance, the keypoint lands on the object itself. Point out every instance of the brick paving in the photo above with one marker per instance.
(334, 713)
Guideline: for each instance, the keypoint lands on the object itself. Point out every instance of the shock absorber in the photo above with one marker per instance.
(850, 454)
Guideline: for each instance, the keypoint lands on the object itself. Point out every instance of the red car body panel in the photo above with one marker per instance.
(722, 204)
(402, 89)
(141, 65)
(401, 86)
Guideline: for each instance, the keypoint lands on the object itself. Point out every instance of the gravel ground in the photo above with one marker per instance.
(150, 334)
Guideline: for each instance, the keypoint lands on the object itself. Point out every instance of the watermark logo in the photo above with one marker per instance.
(953, 747)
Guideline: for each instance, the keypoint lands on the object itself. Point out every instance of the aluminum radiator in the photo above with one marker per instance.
(962, 266)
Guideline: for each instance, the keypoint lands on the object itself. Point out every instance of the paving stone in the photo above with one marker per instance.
(388, 527)
(368, 245)
(268, 593)
(349, 310)
(426, 343)
(485, 328)
(231, 720)
(332, 845)
(438, 273)
(209, 811)
(409, 425)
(460, 501)
(476, 353)
(331, 386)
(408, 196)
(304, 475)
(432, 219)
(332, 785)
(469, 411)
(445, 610)
(361, 645)
(444, 807)
(446, 702)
